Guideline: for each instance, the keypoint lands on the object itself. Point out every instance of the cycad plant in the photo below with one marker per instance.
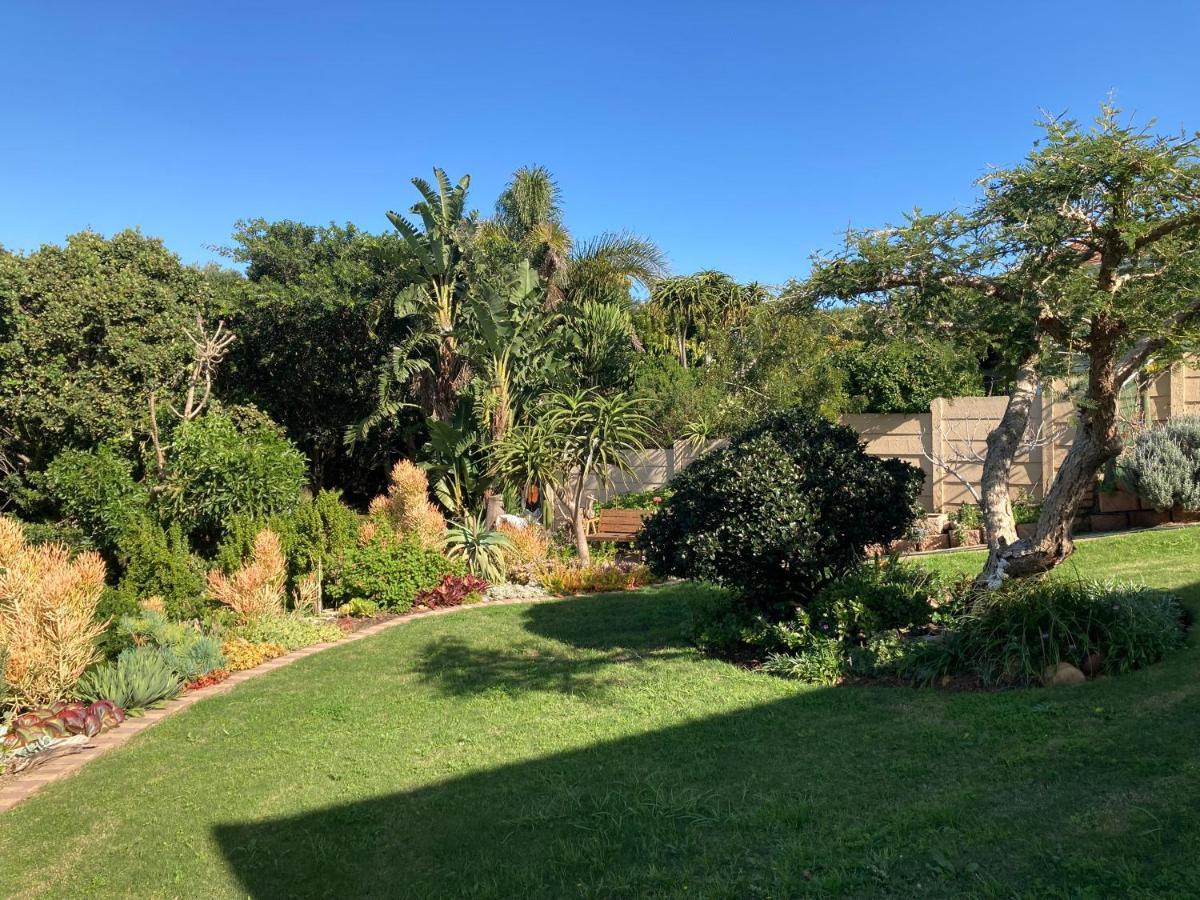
(480, 547)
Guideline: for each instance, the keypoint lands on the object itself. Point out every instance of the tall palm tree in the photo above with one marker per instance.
(530, 212)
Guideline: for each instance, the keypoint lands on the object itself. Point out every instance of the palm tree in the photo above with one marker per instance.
(595, 434)
(529, 211)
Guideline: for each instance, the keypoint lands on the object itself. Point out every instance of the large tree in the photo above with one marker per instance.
(1082, 260)
(313, 320)
(87, 331)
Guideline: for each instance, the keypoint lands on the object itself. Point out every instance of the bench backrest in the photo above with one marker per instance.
(621, 521)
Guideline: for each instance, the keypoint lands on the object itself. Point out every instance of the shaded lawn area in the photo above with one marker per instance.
(583, 748)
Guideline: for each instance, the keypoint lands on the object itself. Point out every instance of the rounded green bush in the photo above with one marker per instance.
(787, 507)
(390, 571)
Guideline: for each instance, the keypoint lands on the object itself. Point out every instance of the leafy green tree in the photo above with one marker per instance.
(87, 330)
(1083, 253)
(313, 322)
(899, 376)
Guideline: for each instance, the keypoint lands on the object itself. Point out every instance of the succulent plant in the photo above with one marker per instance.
(140, 678)
(60, 720)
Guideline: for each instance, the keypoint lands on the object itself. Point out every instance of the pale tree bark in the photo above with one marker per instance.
(1003, 443)
(1097, 440)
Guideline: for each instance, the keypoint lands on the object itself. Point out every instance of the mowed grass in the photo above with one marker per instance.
(582, 748)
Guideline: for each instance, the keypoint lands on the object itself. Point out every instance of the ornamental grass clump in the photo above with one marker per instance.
(48, 623)
(1013, 635)
(255, 590)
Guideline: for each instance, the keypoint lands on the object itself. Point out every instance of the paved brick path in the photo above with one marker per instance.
(22, 786)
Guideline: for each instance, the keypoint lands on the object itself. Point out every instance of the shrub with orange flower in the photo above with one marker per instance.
(47, 616)
(257, 588)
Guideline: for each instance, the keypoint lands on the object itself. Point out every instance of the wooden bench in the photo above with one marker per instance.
(618, 526)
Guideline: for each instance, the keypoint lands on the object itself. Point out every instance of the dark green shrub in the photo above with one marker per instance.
(315, 536)
(113, 606)
(391, 571)
(1163, 464)
(159, 563)
(95, 491)
(1011, 635)
(216, 471)
(790, 505)
(59, 533)
(880, 595)
(724, 626)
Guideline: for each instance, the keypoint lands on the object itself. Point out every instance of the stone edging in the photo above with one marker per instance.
(24, 786)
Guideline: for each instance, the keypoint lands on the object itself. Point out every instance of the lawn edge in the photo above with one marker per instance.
(22, 788)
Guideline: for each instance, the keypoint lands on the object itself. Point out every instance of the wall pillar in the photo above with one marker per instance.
(1177, 388)
(937, 450)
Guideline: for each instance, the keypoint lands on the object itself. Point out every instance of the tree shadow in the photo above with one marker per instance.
(848, 791)
(648, 619)
(597, 631)
(853, 792)
(458, 668)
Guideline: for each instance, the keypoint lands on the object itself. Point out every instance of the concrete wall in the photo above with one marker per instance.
(955, 431)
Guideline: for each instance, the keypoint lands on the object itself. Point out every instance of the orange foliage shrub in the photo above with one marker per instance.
(528, 551)
(407, 509)
(257, 588)
(47, 615)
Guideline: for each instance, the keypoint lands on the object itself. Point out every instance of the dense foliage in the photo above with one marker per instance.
(1163, 464)
(788, 506)
(1014, 635)
(219, 468)
(87, 330)
(391, 571)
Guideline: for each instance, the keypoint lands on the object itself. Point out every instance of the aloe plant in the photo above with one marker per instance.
(480, 547)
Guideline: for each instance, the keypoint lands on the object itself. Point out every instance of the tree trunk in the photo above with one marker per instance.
(579, 527)
(1097, 440)
(1002, 445)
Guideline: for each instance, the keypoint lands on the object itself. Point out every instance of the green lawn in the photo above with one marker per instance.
(582, 748)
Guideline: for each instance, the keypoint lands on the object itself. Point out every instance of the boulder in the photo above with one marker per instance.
(1062, 675)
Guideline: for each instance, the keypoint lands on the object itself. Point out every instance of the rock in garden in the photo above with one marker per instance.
(1061, 675)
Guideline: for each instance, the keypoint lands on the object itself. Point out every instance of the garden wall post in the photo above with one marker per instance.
(1177, 390)
(937, 450)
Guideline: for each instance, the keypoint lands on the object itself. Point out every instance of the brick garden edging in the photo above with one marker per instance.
(26, 785)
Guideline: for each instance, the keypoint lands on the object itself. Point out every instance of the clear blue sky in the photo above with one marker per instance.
(740, 136)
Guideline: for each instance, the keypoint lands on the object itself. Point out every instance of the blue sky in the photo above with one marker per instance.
(740, 136)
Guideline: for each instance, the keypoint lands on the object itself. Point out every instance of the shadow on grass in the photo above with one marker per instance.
(458, 668)
(858, 792)
(601, 632)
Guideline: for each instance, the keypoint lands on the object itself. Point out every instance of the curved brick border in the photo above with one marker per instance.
(24, 786)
